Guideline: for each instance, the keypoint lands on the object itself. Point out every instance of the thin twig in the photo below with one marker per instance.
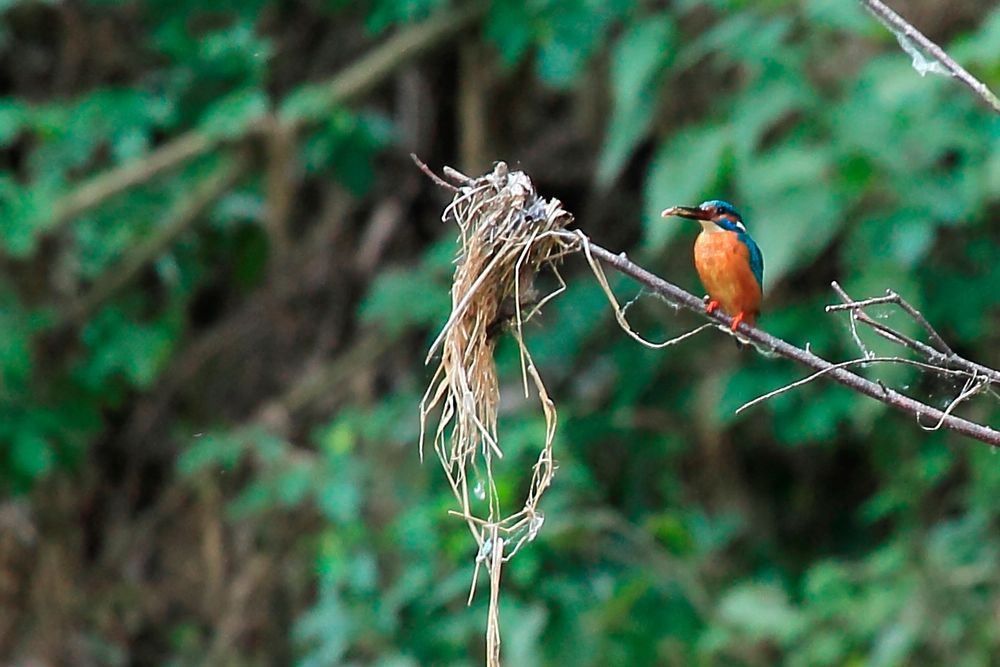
(456, 175)
(971, 389)
(429, 173)
(620, 312)
(854, 305)
(922, 321)
(947, 359)
(845, 364)
(903, 29)
(892, 298)
(887, 332)
(493, 620)
(868, 354)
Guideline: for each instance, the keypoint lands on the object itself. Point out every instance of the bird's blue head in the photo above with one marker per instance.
(722, 213)
(717, 215)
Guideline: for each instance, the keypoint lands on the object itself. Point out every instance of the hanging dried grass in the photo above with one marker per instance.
(507, 234)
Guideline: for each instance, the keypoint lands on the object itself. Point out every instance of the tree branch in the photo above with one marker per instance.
(97, 190)
(843, 364)
(941, 355)
(677, 296)
(184, 214)
(905, 31)
(353, 81)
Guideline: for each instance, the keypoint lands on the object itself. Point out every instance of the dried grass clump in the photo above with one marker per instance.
(508, 234)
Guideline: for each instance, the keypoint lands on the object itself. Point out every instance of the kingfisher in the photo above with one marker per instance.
(728, 260)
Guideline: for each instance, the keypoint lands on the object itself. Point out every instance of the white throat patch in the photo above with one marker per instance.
(710, 227)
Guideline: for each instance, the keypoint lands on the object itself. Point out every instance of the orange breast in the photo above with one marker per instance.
(723, 264)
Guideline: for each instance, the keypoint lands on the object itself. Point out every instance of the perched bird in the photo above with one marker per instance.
(729, 262)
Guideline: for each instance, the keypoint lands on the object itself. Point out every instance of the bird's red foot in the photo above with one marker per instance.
(712, 306)
(737, 321)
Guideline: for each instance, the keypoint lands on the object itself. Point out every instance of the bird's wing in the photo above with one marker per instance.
(756, 259)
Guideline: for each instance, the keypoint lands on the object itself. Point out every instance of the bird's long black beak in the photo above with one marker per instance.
(692, 212)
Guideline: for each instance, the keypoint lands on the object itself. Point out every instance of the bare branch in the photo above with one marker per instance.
(504, 227)
(184, 214)
(908, 36)
(765, 341)
(854, 305)
(946, 358)
(919, 318)
(438, 181)
(281, 181)
(887, 332)
(97, 190)
(845, 364)
(895, 299)
(620, 311)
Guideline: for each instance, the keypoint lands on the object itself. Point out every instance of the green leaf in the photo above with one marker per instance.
(386, 13)
(401, 299)
(13, 115)
(232, 115)
(17, 325)
(636, 62)
(567, 33)
(340, 499)
(237, 52)
(30, 454)
(685, 171)
(24, 212)
(763, 107)
(293, 484)
(122, 347)
(761, 611)
(509, 25)
(980, 48)
(836, 15)
(211, 451)
(347, 145)
(120, 118)
(790, 218)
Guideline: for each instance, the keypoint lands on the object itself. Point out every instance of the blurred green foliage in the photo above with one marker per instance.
(817, 529)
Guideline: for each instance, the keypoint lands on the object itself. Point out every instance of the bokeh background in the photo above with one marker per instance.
(221, 273)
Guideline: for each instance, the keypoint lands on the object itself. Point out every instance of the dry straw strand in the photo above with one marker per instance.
(507, 235)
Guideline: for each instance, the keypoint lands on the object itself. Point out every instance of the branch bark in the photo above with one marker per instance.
(904, 30)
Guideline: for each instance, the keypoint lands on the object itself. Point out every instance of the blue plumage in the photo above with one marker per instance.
(722, 206)
(756, 258)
